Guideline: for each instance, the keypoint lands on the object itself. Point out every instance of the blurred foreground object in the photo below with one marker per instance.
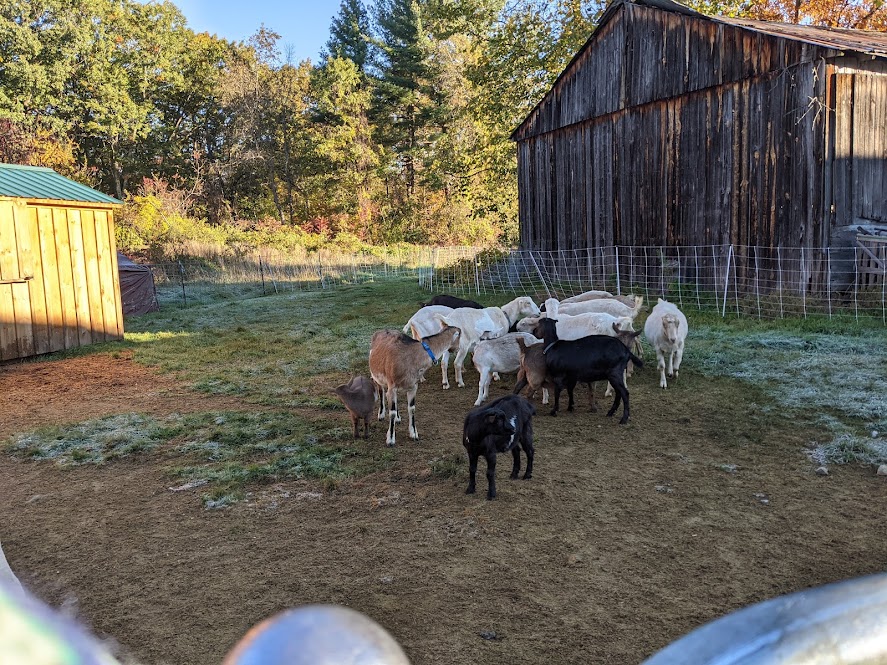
(839, 624)
(317, 635)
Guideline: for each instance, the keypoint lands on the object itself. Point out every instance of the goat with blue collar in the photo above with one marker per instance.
(398, 361)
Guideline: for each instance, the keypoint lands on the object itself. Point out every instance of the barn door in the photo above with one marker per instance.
(859, 156)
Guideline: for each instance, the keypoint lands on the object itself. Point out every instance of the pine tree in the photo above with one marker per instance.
(349, 35)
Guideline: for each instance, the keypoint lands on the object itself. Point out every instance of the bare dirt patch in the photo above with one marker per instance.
(625, 539)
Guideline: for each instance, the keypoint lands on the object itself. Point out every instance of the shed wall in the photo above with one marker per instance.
(59, 286)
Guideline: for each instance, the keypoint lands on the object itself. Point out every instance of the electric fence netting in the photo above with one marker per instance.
(738, 281)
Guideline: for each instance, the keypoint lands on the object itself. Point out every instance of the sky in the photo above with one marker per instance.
(303, 25)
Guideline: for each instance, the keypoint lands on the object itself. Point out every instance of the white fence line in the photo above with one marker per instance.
(734, 280)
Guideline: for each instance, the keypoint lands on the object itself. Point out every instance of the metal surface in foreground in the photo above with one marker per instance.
(839, 624)
(317, 635)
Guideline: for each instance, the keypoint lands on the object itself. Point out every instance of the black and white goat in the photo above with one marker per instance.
(502, 425)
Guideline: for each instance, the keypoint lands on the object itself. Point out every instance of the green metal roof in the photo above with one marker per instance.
(40, 182)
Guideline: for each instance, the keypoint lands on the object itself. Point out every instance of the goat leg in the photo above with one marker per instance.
(393, 417)
(472, 471)
(521, 383)
(515, 468)
(571, 386)
(491, 475)
(355, 423)
(558, 386)
(526, 443)
(411, 402)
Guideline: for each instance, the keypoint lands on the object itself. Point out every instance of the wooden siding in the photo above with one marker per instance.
(644, 54)
(739, 163)
(58, 278)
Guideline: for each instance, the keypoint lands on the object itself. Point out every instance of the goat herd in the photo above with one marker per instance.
(589, 337)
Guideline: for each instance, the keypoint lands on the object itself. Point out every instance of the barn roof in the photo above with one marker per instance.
(39, 182)
(838, 39)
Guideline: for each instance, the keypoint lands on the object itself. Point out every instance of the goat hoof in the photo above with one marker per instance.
(470, 490)
(491, 497)
(527, 476)
(553, 413)
(446, 386)
(514, 475)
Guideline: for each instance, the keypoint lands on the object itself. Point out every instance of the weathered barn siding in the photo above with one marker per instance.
(680, 171)
(645, 54)
(671, 128)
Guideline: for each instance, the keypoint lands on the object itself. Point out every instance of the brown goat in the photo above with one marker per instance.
(358, 396)
(398, 361)
(533, 371)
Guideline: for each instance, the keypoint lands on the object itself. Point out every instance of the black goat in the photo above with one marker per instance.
(452, 301)
(592, 358)
(495, 428)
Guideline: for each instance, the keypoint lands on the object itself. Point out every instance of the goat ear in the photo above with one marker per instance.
(616, 326)
(636, 333)
(490, 418)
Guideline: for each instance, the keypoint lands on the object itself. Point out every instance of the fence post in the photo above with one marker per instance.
(856, 282)
(182, 279)
(803, 274)
(779, 274)
(476, 277)
(539, 272)
(727, 281)
(262, 275)
(736, 284)
(618, 281)
(680, 291)
(828, 283)
(757, 282)
(696, 264)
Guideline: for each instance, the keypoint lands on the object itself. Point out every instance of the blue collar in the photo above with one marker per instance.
(427, 348)
(545, 350)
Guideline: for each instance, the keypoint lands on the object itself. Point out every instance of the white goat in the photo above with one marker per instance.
(425, 323)
(666, 330)
(602, 305)
(501, 354)
(588, 295)
(487, 323)
(581, 325)
(597, 295)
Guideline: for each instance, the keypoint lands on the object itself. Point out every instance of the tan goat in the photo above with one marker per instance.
(398, 361)
(358, 396)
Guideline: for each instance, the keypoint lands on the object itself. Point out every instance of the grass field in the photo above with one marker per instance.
(247, 422)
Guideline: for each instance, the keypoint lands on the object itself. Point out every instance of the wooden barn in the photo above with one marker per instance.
(58, 264)
(673, 128)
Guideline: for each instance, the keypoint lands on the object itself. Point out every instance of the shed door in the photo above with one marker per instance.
(859, 167)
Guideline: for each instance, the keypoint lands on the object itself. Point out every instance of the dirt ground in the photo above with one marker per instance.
(625, 539)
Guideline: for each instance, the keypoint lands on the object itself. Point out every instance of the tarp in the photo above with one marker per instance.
(136, 287)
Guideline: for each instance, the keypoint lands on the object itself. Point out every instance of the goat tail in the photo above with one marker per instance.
(406, 328)
(637, 361)
(638, 302)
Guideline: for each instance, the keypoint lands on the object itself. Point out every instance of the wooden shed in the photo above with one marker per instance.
(58, 264)
(673, 128)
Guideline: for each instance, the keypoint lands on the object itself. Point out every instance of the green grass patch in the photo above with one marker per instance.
(91, 442)
(282, 350)
(225, 451)
(849, 449)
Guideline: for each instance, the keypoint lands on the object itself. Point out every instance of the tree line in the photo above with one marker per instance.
(398, 133)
